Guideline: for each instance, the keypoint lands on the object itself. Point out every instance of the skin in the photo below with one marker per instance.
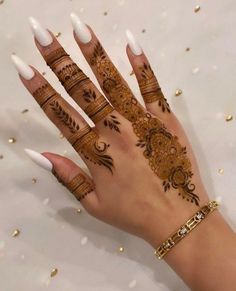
(131, 196)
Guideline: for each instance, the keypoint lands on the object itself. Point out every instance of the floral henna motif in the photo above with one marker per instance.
(150, 89)
(167, 158)
(112, 122)
(64, 116)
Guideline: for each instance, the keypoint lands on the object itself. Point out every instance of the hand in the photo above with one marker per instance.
(144, 175)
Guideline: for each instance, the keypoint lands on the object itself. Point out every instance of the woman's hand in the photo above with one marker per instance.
(144, 175)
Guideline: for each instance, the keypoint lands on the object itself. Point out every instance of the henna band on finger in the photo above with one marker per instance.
(70, 76)
(44, 94)
(79, 186)
(150, 89)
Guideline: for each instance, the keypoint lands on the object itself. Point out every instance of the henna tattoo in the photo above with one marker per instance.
(43, 94)
(166, 157)
(64, 116)
(112, 122)
(150, 89)
(85, 141)
(79, 186)
(89, 95)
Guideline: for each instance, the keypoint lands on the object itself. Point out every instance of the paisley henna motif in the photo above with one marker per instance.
(150, 89)
(167, 158)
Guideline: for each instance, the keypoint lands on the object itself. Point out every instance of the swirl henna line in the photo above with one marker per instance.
(150, 89)
(167, 158)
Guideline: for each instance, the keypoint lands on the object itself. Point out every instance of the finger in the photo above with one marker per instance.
(69, 175)
(110, 80)
(75, 82)
(73, 126)
(150, 90)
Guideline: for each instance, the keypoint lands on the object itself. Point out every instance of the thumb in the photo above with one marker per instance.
(71, 176)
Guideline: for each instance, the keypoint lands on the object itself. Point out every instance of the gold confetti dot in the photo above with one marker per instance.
(24, 111)
(15, 233)
(221, 171)
(121, 249)
(197, 8)
(143, 30)
(229, 117)
(178, 92)
(1, 157)
(1, 2)
(54, 272)
(43, 73)
(187, 49)
(131, 73)
(105, 13)
(78, 210)
(57, 34)
(11, 140)
(34, 180)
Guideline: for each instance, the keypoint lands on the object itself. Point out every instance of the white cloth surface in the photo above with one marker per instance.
(51, 230)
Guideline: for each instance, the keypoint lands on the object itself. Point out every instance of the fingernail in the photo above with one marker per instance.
(40, 33)
(133, 44)
(39, 159)
(22, 68)
(81, 30)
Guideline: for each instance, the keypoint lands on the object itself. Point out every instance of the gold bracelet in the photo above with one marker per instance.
(185, 229)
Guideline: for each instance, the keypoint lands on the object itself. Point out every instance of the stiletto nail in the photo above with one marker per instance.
(39, 159)
(40, 33)
(23, 69)
(133, 44)
(81, 30)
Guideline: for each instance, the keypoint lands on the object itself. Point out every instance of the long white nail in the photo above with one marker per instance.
(40, 33)
(133, 44)
(39, 159)
(81, 30)
(23, 69)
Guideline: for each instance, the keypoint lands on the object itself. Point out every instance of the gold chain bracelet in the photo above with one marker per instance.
(185, 229)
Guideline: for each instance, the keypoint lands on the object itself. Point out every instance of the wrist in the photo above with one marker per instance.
(200, 257)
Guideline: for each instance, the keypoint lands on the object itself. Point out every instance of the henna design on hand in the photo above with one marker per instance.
(79, 186)
(150, 89)
(64, 116)
(167, 158)
(86, 142)
(112, 122)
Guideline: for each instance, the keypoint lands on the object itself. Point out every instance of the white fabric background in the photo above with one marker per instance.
(52, 233)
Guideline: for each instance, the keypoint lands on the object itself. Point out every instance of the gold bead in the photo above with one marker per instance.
(43, 73)
(221, 171)
(61, 135)
(121, 249)
(197, 8)
(15, 233)
(78, 210)
(229, 117)
(105, 13)
(57, 34)
(34, 180)
(1, 2)
(54, 272)
(187, 49)
(178, 92)
(143, 30)
(131, 73)
(11, 140)
(24, 111)
(1, 157)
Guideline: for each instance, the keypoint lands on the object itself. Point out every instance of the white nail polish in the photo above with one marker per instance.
(23, 69)
(39, 159)
(133, 44)
(81, 30)
(40, 33)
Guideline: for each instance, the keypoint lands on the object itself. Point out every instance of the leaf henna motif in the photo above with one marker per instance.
(64, 116)
(112, 122)
(167, 158)
(89, 95)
